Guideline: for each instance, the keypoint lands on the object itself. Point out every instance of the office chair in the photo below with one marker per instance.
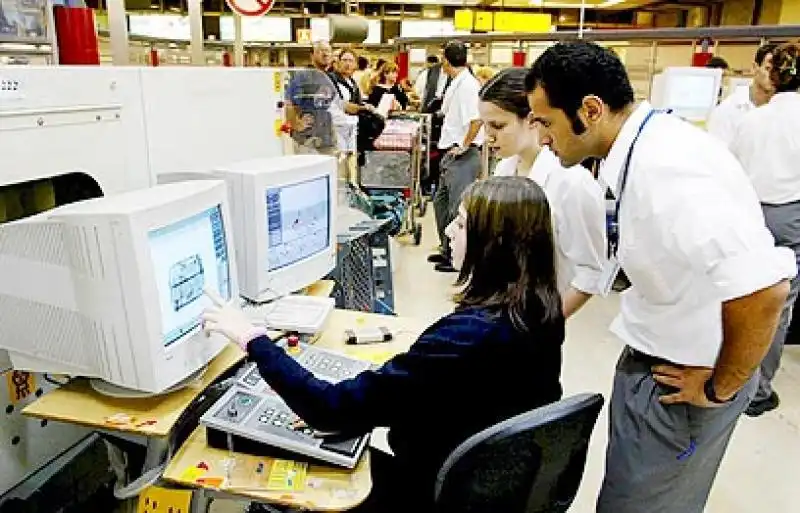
(532, 463)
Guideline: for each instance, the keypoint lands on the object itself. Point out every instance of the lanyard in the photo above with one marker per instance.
(623, 177)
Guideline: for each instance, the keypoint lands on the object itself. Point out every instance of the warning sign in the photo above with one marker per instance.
(250, 7)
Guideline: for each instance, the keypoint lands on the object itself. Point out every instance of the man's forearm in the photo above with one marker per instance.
(748, 327)
(573, 300)
(472, 133)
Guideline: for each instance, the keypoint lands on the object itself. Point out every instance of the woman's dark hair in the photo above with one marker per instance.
(718, 63)
(569, 72)
(506, 90)
(363, 63)
(785, 74)
(379, 64)
(510, 257)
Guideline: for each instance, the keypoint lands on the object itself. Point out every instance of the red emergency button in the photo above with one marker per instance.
(293, 340)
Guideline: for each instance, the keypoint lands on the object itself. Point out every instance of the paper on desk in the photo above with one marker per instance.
(287, 476)
(385, 105)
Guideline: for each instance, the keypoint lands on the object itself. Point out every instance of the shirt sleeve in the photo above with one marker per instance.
(468, 101)
(726, 239)
(373, 398)
(721, 124)
(583, 238)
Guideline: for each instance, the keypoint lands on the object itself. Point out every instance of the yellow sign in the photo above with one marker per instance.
(20, 384)
(304, 36)
(484, 21)
(277, 82)
(464, 19)
(161, 500)
(522, 22)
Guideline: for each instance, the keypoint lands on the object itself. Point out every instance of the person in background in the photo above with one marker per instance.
(576, 199)
(484, 74)
(386, 83)
(707, 282)
(508, 316)
(719, 63)
(428, 91)
(346, 121)
(725, 118)
(310, 96)
(370, 77)
(358, 76)
(768, 145)
(461, 139)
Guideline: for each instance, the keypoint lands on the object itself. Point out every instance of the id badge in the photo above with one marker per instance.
(608, 276)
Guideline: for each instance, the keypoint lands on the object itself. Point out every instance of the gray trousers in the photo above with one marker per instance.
(784, 223)
(457, 173)
(662, 459)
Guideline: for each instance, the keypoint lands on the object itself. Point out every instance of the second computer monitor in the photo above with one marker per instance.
(689, 92)
(284, 212)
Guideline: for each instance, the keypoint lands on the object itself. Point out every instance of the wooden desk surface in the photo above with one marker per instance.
(78, 403)
(327, 488)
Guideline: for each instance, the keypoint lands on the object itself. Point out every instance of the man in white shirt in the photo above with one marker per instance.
(768, 146)
(426, 90)
(708, 283)
(725, 118)
(461, 138)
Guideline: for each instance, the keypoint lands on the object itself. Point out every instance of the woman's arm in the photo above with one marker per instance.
(373, 398)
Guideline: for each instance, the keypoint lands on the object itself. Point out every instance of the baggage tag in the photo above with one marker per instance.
(608, 275)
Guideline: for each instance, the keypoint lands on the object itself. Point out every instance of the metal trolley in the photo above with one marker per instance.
(397, 165)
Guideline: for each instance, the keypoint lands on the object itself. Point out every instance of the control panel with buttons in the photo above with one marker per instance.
(259, 419)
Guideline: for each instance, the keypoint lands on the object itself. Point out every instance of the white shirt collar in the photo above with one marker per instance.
(543, 166)
(790, 96)
(612, 166)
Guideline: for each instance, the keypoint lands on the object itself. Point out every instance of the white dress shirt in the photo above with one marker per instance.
(725, 118)
(768, 146)
(460, 108)
(692, 236)
(346, 124)
(578, 210)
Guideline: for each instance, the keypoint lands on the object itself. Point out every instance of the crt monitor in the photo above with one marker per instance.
(690, 92)
(284, 212)
(112, 288)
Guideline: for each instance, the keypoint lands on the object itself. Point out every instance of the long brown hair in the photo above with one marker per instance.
(510, 257)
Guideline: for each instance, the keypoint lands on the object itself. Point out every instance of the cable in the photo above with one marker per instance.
(387, 307)
(55, 381)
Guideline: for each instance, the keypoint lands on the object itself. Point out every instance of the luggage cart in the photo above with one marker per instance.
(394, 168)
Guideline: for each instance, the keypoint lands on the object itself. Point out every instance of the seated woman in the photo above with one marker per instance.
(576, 199)
(387, 84)
(496, 356)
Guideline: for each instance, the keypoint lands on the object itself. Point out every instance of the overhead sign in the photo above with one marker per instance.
(250, 7)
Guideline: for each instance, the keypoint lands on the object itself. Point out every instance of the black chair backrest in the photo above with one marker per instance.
(532, 463)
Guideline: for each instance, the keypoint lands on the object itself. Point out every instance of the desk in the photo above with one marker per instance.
(333, 489)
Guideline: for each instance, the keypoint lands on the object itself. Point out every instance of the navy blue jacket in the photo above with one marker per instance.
(466, 372)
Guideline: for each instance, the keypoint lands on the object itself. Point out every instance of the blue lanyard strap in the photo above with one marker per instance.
(623, 177)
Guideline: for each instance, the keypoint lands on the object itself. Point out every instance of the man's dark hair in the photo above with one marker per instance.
(455, 52)
(569, 72)
(432, 59)
(718, 62)
(363, 63)
(763, 51)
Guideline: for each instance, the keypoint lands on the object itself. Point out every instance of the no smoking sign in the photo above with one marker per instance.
(250, 7)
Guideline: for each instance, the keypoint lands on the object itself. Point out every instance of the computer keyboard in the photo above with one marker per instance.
(301, 314)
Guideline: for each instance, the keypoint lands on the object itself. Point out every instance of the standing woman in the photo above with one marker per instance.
(576, 199)
(768, 146)
(387, 84)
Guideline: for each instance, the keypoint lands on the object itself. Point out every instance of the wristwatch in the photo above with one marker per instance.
(711, 394)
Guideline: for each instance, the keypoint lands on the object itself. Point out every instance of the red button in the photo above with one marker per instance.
(293, 340)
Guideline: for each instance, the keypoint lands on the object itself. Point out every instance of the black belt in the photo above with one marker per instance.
(644, 358)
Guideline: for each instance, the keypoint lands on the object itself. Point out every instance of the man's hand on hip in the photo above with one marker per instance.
(690, 384)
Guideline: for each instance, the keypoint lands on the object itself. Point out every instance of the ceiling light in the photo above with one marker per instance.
(536, 3)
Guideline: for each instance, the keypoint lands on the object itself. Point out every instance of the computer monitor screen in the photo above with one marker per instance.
(187, 256)
(298, 221)
(692, 92)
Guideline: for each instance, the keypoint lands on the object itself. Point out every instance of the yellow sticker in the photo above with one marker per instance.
(161, 500)
(276, 81)
(287, 476)
(278, 126)
(191, 474)
(20, 384)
